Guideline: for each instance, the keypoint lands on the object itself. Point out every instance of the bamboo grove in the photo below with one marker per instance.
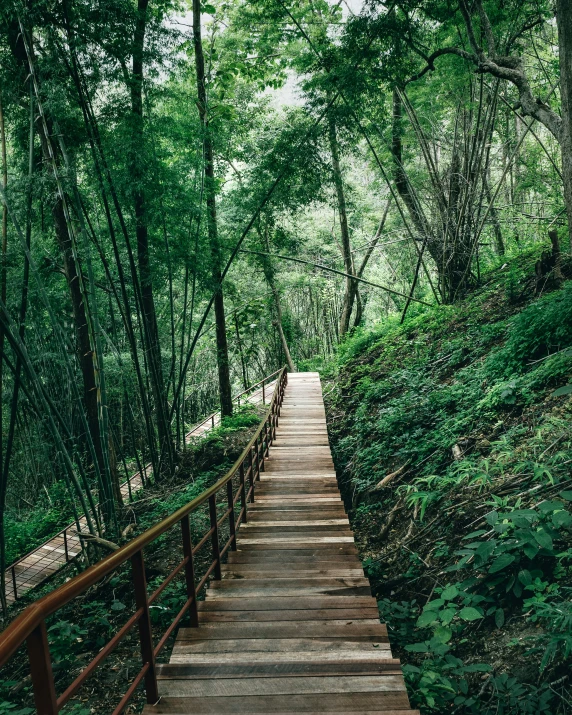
(195, 194)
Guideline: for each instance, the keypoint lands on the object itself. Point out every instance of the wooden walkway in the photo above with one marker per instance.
(47, 559)
(292, 626)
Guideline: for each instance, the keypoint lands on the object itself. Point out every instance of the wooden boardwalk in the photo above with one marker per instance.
(47, 559)
(292, 626)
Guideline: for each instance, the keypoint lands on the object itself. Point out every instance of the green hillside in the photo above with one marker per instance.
(453, 442)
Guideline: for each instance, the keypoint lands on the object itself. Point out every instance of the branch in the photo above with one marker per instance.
(430, 67)
(333, 270)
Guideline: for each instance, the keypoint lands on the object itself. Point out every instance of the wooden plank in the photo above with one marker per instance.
(358, 615)
(345, 547)
(258, 657)
(178, 671)
(249, 573)
(280, 645)
(392, 703)
(209, 687)
(280, 603)
(288, 587)
(292, 629)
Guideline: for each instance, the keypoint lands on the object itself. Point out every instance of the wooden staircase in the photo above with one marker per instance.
(292, 626)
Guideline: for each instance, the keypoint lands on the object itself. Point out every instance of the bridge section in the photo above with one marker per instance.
(291, 627)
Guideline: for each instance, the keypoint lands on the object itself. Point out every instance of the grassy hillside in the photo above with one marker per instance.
(453, 441)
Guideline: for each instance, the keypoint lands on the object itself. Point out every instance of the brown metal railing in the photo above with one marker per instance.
(215, 416)
(23, 574)
(30, 626)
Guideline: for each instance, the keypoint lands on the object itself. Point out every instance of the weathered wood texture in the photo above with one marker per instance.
(292, 626)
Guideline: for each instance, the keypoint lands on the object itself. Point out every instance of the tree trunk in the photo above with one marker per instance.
(210, 190)
(564, 20)
(142, 234)
(3, 475)
(351, 285)
(241, 353)
(270, 279)
(497, 230)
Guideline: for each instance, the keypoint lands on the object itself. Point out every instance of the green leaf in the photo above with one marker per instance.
(485, 550)
(209, 9)
(447, 615)
(530, 550)
(450, 593)
(117, 606)
(410, 668)
(477, 668)
(566, 390)
(474, 534)
(566, 494)
(442, 634)
(417, 648)
(561, 518)
(492, 518)
(470, 614)
(544, 539)
(501, 563)
(525, 577)
(426, 618)
(499, 618)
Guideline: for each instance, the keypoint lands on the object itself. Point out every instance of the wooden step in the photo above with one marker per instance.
(292, 626)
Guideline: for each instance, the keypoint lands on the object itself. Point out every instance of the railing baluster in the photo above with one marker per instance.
(260, 448)
(14, 583)
(266, 432)
(215, 542)
(66, 544)
(190, 570)
(243, 491)
(145, 635)
(231, 522)
(251, 478)
(41, 671)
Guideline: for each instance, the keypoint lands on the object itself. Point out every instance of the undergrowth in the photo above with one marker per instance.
(79, 630)
(453, 442)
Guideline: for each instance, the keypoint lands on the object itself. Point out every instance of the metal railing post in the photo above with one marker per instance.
(243, 494)
(41, 671)
(260, 454)
(145, 634)
(231, 521)
(66, 544)
(266, 432)
(251, 474)
(190, 570)
(215, 541)
(14, 583)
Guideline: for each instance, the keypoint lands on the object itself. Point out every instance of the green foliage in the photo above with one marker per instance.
(468, 377)
(545, 327)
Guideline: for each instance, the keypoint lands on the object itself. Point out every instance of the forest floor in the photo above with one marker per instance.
(78, 631)
(452, 437)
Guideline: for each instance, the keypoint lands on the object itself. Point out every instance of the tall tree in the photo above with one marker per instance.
(210, 192)
(140, 207)
(564, 20)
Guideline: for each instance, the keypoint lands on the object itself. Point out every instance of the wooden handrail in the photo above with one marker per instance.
(30, 625)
